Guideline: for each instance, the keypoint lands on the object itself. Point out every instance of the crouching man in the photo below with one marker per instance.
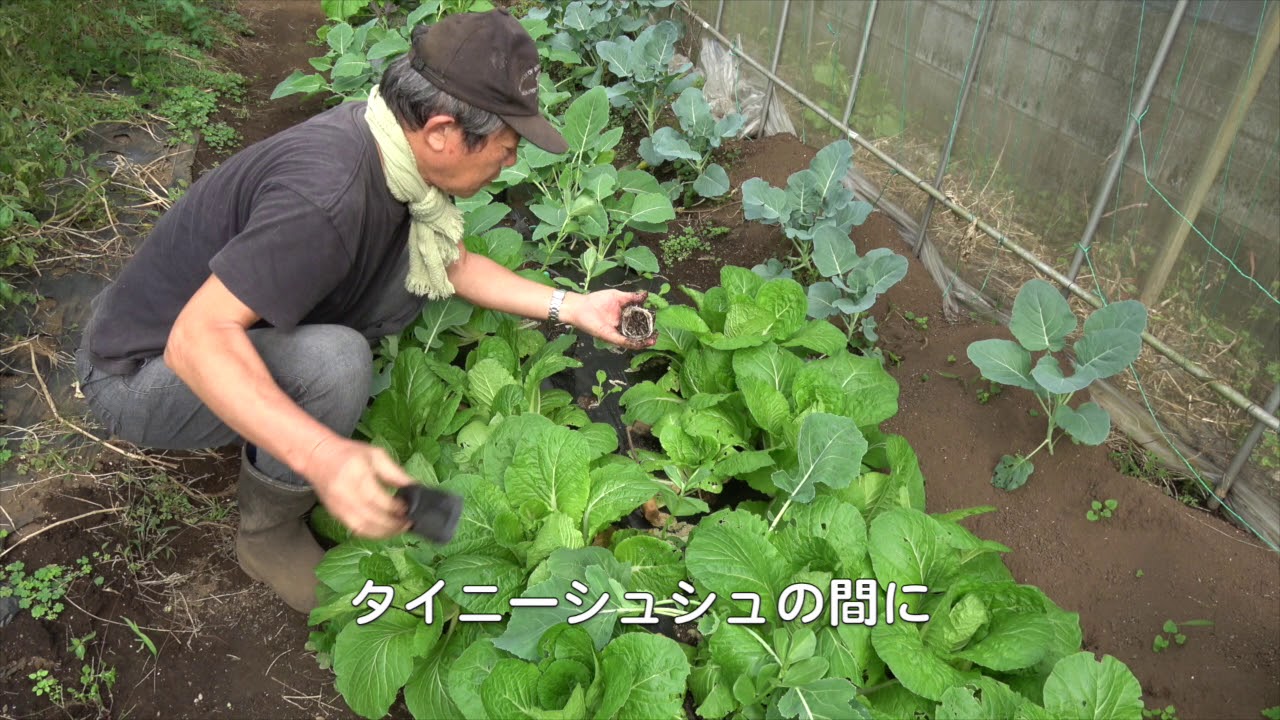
(248, 313)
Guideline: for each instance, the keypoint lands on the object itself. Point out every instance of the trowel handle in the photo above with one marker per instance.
(434, 513)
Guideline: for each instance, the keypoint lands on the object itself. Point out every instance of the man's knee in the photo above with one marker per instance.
(327, 369)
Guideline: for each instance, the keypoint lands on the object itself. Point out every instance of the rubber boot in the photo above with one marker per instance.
(274, 544)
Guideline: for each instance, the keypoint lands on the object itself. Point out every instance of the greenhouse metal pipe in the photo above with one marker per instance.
(773, 68)
(1246, 449)
(984, 24)
(857, 67)
(719, 14)
(1122, 148)
(1225, 391)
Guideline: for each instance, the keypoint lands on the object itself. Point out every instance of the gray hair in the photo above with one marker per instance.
(414, 100)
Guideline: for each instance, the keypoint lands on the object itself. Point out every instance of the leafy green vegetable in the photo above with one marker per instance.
(1042, 321)
(692, 146)
(815, 209)
(753, 391)
(646, 81)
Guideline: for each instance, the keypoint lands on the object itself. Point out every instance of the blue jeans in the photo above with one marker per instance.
(325, 369)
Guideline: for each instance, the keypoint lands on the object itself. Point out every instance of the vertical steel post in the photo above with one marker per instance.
(857, 68)
(1246, 449)
(773, 67)
(719, 14)
(1122, 148)
(984, 25)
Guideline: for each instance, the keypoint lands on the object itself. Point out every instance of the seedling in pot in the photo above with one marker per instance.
(1100, 510)
(1041, 321)
(637, 323)
(1174, 633)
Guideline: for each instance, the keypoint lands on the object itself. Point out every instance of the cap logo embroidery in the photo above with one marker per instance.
(529, 81)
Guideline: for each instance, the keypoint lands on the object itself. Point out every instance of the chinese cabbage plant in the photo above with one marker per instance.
(691, 147)
(1041, 322)
(735, 379)
(543, 490)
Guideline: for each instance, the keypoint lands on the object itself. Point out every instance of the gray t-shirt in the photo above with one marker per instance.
(300, 227)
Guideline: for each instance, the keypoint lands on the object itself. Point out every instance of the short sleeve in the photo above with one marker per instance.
(288, 258)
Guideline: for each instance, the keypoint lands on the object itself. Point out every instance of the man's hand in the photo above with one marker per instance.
(599, 314)
(351, 479)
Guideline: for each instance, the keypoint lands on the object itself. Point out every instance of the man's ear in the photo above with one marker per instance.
(437, 131)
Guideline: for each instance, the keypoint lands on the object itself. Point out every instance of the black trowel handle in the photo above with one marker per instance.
(434, 513)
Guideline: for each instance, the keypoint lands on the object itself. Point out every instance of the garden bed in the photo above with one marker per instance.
(225, 648)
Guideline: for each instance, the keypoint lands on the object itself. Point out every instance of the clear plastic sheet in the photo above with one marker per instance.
(729, 89)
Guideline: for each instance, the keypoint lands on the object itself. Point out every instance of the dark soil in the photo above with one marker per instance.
(284, 32)
(226, 647)
(747, 243)
(247, 657)
(1193, 565)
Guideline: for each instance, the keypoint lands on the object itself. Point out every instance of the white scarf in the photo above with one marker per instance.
(437, 224)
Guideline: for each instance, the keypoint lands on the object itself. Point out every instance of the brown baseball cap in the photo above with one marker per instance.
(489, 61)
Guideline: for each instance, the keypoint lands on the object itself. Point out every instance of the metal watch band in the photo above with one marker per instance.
(557, 298)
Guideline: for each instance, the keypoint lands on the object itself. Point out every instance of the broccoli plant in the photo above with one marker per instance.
(816, 211)
(587, 200)
(357, 54)
(646, 82)
(692, 146)
(576, 27)
(1041, 321)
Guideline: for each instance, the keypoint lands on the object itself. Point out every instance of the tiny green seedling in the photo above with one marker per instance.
(1173, 630)
(600, 391)
(924, 378)
(1168, 712)
(79, 645)
(951, 359)
(920, 321)
(46, 685)
(1099, 510)
(1139, 573)
(143, 639)
(988, 393)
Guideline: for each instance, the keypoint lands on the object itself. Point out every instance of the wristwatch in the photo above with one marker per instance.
(557, 298)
